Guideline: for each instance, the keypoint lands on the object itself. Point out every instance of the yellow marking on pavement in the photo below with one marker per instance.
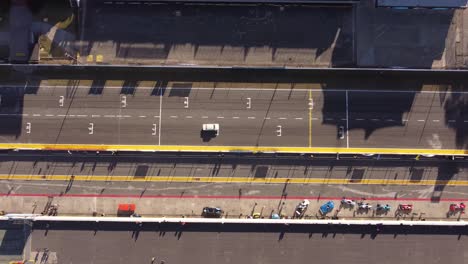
(191, 179)
(233, 149)
(310, 118)
(99, 58)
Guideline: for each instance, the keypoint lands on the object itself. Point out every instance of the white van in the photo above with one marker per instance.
(211, 128)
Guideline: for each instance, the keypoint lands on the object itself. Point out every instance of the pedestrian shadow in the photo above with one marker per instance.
(446, 171)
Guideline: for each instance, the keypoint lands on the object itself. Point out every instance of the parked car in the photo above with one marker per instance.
(454, 208)
(212, 212)
(383, 208)
(405, 207)
(327, 207)
(364, 206)
(348, 202)
(301, 208)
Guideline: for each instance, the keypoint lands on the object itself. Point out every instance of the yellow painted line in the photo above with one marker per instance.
(190, 179)
(252, 149)
(310, 118)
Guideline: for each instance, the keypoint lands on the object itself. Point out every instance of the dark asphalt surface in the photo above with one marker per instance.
(101, 243)
(374, 119)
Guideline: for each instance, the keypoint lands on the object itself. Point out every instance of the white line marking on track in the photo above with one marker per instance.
(375, 119)
(36, 115)
(109, 115)
(343, 119)
(465, 121)
(188, 116)
(260, 89)
(220, 117)
(389, 120)
(435, 120)
(173, 116)
(126, 116)
(49, 115)
(61, 115)
(235, 117)
(267, 118)
(251, 117)
(96, 116)
(359, 119)
(119, 116)
(405, 120)
(82, 115)
(71, 115)
(451, 121)
(421, 120)
(204, 117)
(298, 118)
(329, 119)
(142, 116)
(282, 118)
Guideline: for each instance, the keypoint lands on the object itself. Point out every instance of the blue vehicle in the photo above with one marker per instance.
(327, 207)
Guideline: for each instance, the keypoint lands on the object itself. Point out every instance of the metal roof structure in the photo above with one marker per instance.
(424, 3)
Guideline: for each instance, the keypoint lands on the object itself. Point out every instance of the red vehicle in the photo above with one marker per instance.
(454, 208)
(405, 207)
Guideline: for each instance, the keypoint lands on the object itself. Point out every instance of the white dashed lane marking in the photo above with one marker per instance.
(237, 117)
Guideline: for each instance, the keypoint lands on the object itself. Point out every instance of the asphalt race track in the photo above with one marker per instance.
(247, 117)
(249, 244)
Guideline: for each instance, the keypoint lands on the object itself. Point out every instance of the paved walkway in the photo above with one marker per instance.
(234, 207)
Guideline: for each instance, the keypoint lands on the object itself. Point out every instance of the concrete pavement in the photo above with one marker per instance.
(182, 185)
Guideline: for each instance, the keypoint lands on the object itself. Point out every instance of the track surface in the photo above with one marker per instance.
(247, 117)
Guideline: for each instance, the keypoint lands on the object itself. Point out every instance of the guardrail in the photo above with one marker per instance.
(341, 222)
